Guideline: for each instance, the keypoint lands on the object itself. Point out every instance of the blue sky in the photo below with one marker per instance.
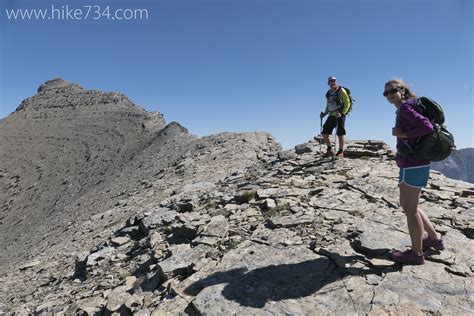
(252, 65)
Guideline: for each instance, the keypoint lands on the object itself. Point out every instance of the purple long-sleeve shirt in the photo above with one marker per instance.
(414, 125)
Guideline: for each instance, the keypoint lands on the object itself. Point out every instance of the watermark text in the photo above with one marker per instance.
(85, 12)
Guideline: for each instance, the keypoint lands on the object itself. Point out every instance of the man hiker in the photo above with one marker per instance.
(337, 106)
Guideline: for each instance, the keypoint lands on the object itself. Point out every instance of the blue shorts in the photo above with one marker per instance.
(415, 176)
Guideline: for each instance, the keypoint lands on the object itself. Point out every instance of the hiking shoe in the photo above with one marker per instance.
(408, 257)
(329, 153)
(437, 244)
(340, 153)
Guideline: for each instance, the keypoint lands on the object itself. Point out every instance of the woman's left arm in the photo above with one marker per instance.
(421, 125)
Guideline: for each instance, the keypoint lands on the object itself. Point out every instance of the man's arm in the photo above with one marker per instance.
(326, 111)
(346, 100)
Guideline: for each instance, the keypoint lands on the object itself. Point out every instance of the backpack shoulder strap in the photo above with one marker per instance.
(348, 92)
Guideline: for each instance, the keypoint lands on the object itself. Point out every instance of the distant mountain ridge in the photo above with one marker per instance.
(459, 165)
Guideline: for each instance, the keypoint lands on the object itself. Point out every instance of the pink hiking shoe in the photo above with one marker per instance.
(408, 256)
(437, 244)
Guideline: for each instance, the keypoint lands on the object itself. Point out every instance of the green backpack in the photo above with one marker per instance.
(436, 146)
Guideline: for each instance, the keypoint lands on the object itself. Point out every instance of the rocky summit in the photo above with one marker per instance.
(108, 210)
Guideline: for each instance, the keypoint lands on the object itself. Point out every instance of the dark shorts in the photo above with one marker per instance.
(331, 123)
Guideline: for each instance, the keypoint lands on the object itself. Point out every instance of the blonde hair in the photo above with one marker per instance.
(400, 84)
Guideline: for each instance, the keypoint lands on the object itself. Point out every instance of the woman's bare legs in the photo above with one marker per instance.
(409, 199)
(427, 225)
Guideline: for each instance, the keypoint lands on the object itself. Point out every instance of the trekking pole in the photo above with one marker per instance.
(320, 133)
(335, 146)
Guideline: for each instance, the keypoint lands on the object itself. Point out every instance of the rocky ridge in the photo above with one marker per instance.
(106, 209)
(68, 153)
(294, 234)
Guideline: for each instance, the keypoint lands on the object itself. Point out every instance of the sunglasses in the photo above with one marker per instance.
(391, 91)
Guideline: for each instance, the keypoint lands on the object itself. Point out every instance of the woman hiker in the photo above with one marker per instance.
(413, 173)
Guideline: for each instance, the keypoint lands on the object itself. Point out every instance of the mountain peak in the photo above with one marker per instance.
(59, 93)
(58, 84)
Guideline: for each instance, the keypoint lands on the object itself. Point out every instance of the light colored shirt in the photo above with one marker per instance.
(333, 106)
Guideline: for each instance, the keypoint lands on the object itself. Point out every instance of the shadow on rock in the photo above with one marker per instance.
(276, 282)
